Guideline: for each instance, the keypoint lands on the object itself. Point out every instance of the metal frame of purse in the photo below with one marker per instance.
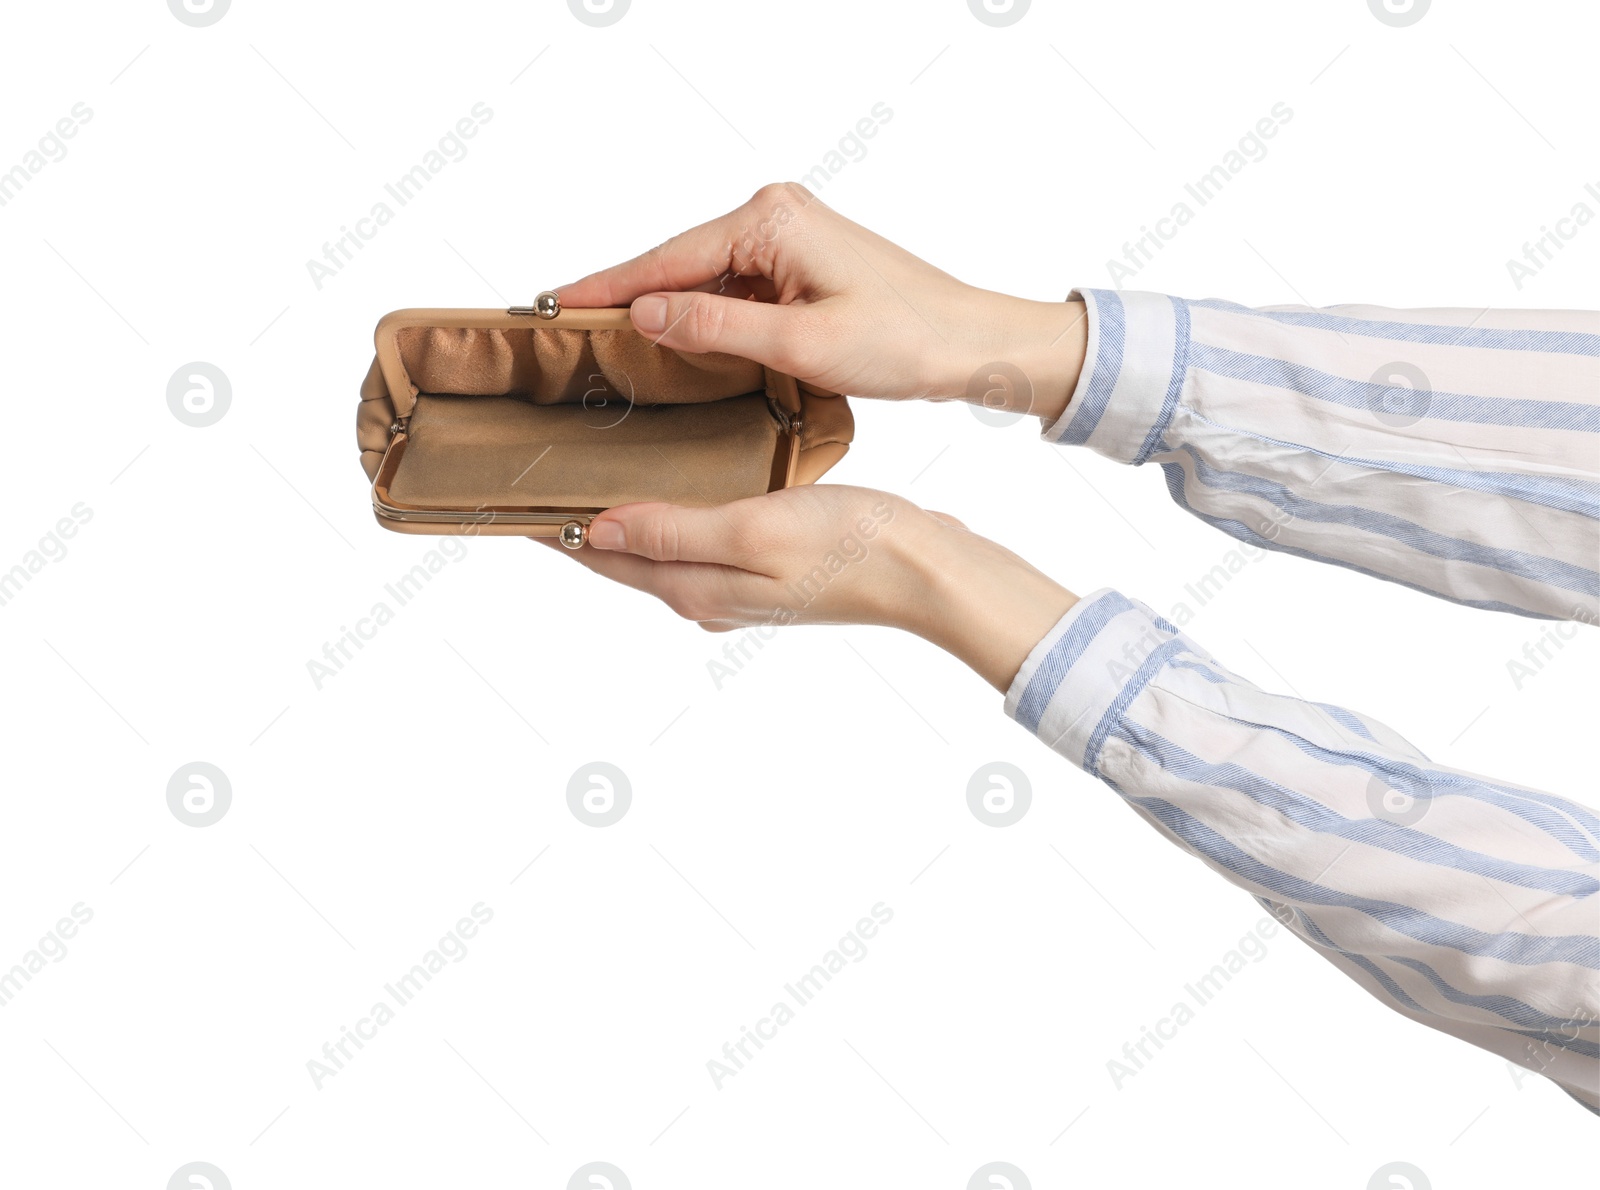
(470, 424)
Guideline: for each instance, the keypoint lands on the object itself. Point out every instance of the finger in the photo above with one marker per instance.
(713, 596)
(628, 569)
(694, 256)
(670, 533)
(770, 334)
(664, 580)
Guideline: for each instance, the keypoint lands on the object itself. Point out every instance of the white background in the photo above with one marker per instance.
(767, 817)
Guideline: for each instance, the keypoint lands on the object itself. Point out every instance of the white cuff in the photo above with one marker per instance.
(1134, 367)
(1088, 668)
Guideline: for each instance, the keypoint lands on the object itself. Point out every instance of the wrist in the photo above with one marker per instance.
(1040, 347)
(980, 602)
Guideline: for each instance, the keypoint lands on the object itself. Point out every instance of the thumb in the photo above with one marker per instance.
(670, 533)
(700, 322)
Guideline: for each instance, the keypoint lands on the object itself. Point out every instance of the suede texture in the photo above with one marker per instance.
(550, 366)
(497, 452)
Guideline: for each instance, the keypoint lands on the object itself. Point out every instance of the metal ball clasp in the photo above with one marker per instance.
(573, 535)
(547, 304)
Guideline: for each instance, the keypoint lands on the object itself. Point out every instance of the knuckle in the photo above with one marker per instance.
(770, 195)
(658, 539)
(702, 322)
(653, 265)
(781, 201)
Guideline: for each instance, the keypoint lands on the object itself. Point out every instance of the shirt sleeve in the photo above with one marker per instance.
(1464, 903)
(1453, 451)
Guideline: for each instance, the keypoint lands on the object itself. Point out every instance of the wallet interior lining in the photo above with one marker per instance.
(472, 452)
(551, 366)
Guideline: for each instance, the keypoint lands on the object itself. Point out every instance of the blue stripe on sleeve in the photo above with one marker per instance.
(1064, 654)
(1508, 946)
(1507, 1007)
(1175, 481)
(1371, 832)
(1148, 669)
(1315, 933)
(1550, 571)
(1552, 342)
(1566, 822)
(1504, 1006)
(1564, 494)
(1111, 331)
(1547, 1029)
(1577, 1045)
(1363, 394)
(1533, 1022)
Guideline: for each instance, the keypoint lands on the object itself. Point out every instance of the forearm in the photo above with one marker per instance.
(1461, 902)
(1453, 451)
(1043, 341)
(979, 601)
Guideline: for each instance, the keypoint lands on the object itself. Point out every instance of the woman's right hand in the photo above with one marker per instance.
(787, 281)
(829, 554)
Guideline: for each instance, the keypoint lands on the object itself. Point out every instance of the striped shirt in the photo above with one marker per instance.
(1453, 451)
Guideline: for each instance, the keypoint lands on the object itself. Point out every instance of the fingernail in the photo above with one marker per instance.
(650, 314)
(607, 535)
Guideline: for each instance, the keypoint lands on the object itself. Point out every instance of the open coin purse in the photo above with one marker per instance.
(530, 424)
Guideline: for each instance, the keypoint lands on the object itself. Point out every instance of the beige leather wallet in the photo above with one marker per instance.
(532, 421)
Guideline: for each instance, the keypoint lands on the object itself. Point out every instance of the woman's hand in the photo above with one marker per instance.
(788, 282)
(833, 555)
